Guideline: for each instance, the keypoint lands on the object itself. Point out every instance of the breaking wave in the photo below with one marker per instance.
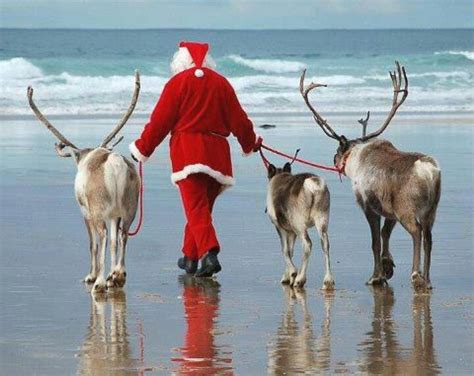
(269, 65)
(18, 67)
(467, 54)
(75, 94)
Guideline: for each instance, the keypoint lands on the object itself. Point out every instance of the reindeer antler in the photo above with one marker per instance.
(398, 77)
(364, 123)
(127, 115)
(63, 140)
(318, 118)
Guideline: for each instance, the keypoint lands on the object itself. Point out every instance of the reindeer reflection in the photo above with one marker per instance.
(382, 351)
(296, 349)
(107, 349)
(199, 354)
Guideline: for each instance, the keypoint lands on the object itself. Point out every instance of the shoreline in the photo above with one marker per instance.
(302, 118)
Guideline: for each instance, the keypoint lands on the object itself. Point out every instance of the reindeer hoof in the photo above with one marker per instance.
(285, 280)
(300, 282)
(117, 279)
(293, 278)
(89, 279)
(388, 265)
(328, 284)
(418, 281)
(99, 287)
(376, 281)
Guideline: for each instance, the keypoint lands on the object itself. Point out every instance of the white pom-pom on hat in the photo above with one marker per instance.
(199, 73)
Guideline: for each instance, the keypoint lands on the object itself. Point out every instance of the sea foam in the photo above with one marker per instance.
(467, 54)
(269, 65)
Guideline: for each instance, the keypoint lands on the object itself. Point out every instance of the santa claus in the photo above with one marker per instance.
(200, 109)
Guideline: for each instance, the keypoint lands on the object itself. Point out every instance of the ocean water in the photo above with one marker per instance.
(78, 72)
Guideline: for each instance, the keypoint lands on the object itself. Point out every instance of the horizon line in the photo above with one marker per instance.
(236, 29)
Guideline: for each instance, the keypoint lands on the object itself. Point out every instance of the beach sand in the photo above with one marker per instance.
(244, 322)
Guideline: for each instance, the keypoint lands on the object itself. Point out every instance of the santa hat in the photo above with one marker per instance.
(198, 53)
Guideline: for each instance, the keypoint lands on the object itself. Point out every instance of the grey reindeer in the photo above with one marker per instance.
(106, 187)
(295, 203)
(399, 186)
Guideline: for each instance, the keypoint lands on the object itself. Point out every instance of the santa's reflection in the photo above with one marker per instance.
(106, 349)
(297, 348)
(199, 353)
(383, 354)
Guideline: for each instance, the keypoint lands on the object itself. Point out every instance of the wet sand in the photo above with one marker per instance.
(243, 322)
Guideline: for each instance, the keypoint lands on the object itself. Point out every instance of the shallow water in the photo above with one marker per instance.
(244, 322)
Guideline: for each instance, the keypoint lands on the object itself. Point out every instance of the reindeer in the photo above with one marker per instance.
(399, 186)
(296, 203)
(106, 187)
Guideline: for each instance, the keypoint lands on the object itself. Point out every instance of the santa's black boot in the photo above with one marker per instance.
(190, 266)
(209, 264)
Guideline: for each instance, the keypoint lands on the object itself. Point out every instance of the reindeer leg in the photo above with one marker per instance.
(427, 245)
(287, 240)
(322, 227)
(387, 260)
(307, 245)
(119, 275)
(292, 271)
(100, 284)
(114, 223)
(414, 228)
(374, 223)
(92, 276)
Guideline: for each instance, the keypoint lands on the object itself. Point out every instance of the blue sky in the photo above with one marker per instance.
(237, 14)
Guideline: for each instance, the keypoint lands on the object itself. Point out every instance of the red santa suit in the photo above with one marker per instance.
(200, 109)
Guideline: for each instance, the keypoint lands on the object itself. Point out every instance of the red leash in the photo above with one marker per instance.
(140, 215)
(315, 165)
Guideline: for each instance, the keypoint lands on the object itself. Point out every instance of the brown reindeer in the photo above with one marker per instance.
(402, 187)
(106, 187)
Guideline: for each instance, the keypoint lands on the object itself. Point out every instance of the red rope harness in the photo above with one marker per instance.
(302, 161)
(140, 214)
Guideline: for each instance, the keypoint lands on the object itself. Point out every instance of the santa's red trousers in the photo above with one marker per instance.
(198, 194)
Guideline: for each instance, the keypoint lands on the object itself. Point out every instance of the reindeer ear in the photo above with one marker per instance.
(271, 171)
(287, 167)
(76, 154)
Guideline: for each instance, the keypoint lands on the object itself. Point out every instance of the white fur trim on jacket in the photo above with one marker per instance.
(251, 152)
(136, 153)
(197, 168)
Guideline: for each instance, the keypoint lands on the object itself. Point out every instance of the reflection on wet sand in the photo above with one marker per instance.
(107, 349)
(199, 354)
(296, 349)
(382, 353)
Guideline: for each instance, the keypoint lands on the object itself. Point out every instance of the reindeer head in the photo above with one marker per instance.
(398, 78)
(76, 152)
(286, 169)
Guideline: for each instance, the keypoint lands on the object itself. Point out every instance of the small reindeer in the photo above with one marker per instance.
(107, 187)
(296, 203)
(402, 187)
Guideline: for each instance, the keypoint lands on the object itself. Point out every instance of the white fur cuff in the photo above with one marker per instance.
(136, 153)
(200, 168)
